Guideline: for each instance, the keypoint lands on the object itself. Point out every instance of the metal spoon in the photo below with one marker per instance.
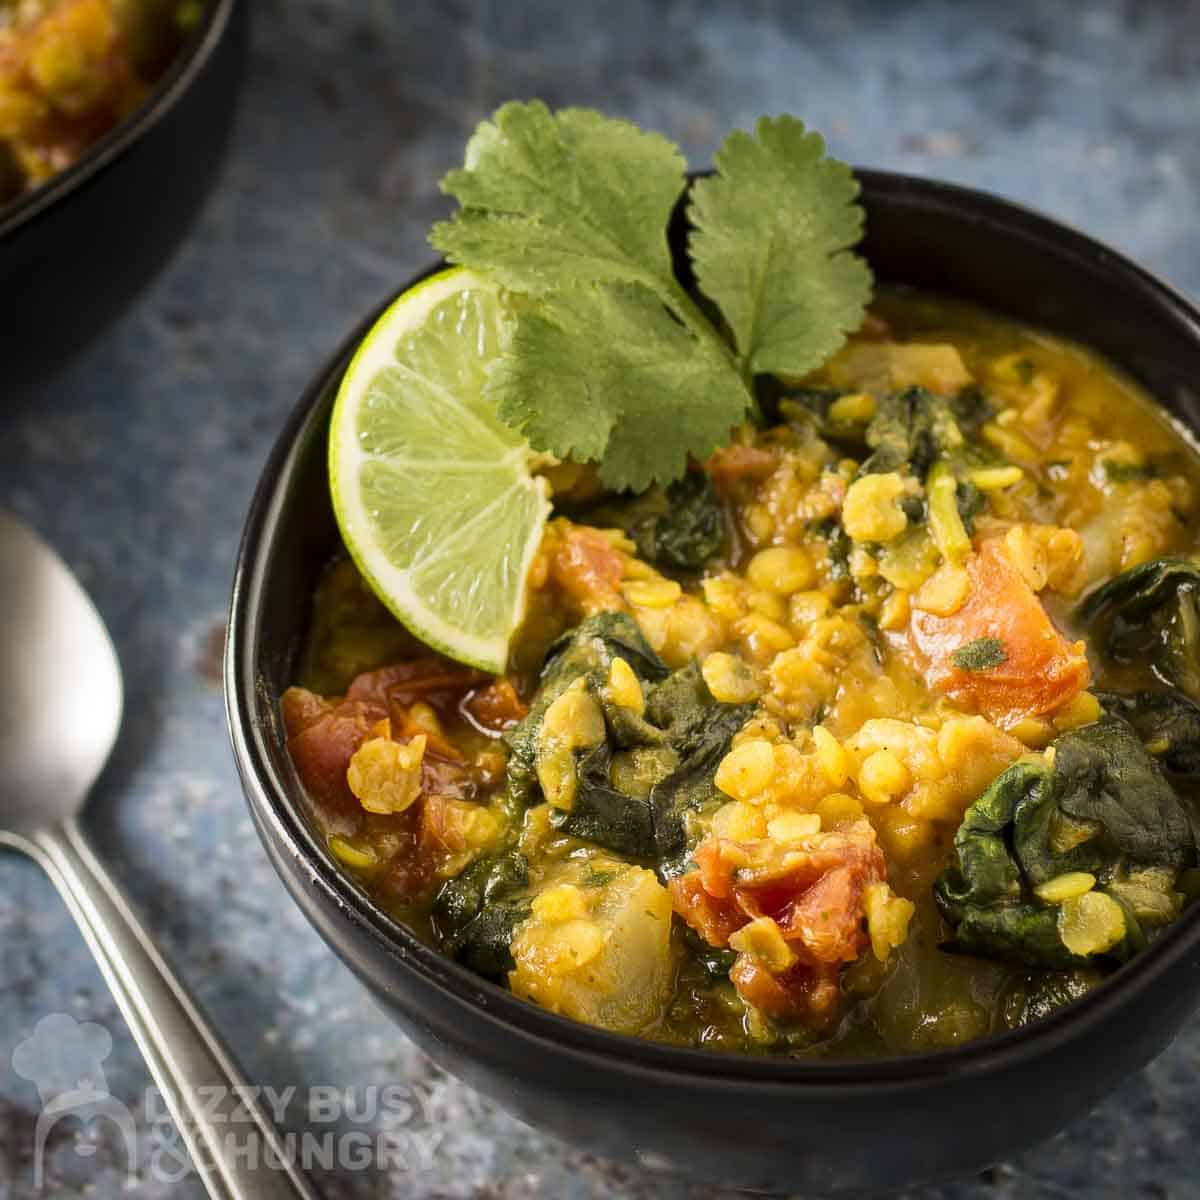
(60, 709)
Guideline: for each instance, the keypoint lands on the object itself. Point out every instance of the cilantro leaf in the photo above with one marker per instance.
(640, 396)
(550, 200)
(609, 358)
(771, 245)
(980, 655)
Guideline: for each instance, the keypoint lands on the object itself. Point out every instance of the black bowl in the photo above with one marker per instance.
(749, 1122)
(76, 251)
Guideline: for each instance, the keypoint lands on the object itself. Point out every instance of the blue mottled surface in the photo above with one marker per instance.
(139, 465)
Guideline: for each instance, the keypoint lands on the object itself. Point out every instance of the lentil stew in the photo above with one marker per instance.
(879, 731)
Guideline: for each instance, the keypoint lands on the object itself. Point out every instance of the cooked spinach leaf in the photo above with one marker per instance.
(632, 791)
(690, 532)
(838, 546)
(912, 427)
(593, 644)
(699, 729)
(586, 650)
(678, 527)
(1151, 614)
(475, 913)
(913, 431)
(970, 502)
(971, 408)
(1123, 472)
(716, 962)
(603, 814)
(1044, 992)
(1168, 724)
(806, 411)
(1103, 808)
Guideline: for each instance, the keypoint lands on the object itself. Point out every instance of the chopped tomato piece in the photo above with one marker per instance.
(827, 919)
(1037, 669)
(766, 866)
(411, 868)
(322, 738)
(717, 859)
(447, 821)
(496, 706)
(301, 708)
(404, 729)
(712, 918)
(803, 993)
(324, 734)
(728, 464)
(587, 567)
(812, 888)
(437, 681)
(440, 824)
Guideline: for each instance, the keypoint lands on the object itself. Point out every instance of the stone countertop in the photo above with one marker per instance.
(139, 465)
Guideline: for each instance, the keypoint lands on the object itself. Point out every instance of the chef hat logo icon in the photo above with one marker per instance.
(64, 1059)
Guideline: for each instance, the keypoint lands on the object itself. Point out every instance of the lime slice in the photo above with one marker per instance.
(433, 494)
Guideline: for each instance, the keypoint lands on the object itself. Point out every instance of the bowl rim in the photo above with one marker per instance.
(189, 60)
(279, 815)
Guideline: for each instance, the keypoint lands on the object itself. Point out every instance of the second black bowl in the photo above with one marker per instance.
(78, 249)
(754, 1123)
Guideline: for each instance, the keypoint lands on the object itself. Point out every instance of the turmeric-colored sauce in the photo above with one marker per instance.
(729, 834)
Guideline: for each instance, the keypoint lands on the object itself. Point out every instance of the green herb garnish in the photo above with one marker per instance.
(980, 655)
(610, 359)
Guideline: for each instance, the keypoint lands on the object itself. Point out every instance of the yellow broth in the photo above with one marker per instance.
(1080, 477)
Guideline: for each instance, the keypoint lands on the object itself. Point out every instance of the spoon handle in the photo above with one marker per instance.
(206, 1093)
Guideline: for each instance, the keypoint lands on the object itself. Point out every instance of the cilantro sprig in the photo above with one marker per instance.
(609, 358)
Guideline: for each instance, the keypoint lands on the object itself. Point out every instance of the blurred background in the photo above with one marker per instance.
(139, 462)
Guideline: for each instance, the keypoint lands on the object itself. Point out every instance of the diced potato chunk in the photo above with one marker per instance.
(611, 967)
(883, 367)
(560, 903)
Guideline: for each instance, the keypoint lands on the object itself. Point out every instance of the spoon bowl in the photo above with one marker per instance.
(60, 687)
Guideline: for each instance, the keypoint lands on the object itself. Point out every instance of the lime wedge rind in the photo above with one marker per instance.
(452, 563)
